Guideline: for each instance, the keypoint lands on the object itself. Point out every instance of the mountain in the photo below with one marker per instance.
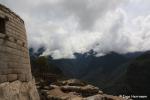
(138, 74)
(131, 78)
(132, 55)
(42, 69)
(113, 73)
(84, 64)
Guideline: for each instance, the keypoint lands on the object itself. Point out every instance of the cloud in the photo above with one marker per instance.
(113, 36)
(140, 35)
(87, 12)
(64, 27)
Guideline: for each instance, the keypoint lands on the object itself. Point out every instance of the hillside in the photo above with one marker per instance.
(113, 73)
(132, 77)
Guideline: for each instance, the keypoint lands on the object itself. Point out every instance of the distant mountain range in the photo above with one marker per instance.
(113, 73)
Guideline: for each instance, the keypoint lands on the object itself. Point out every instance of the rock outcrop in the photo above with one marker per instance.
(73, 90)
(18, 90)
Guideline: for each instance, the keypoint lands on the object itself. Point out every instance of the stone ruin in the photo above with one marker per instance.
(14, 55)
(14, 58)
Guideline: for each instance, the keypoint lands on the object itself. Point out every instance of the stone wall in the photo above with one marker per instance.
(14, 55)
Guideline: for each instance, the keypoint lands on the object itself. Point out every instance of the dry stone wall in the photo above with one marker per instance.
(14, 55)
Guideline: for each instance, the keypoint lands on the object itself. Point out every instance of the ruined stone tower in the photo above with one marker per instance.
(14, 56)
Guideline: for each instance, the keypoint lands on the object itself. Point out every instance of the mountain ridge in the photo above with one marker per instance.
(111, 72)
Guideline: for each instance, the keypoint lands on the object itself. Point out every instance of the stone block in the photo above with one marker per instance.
(28, 76)
(17, 71)
(3, 65)
(12, 77)
(1, 41)
(3, 78)
(2, 48)
(22, 77)
(2, 35)
(4, 72)
(11, 44)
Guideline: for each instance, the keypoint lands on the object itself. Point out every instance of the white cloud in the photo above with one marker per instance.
(68, 26)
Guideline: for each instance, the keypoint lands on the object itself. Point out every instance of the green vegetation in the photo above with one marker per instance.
(45, 66)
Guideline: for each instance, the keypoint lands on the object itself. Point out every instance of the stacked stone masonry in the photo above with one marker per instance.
(14, 55)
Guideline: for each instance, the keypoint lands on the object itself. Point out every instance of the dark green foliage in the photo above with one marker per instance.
(138, 74)
(42, 65)
(132, 78)
(43, 69)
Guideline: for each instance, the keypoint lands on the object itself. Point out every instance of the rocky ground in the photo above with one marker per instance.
(72, 89)
(18, 90)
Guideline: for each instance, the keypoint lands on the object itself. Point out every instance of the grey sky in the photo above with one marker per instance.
(68, 26)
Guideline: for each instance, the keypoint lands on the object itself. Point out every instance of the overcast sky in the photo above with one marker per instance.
(64, 27)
